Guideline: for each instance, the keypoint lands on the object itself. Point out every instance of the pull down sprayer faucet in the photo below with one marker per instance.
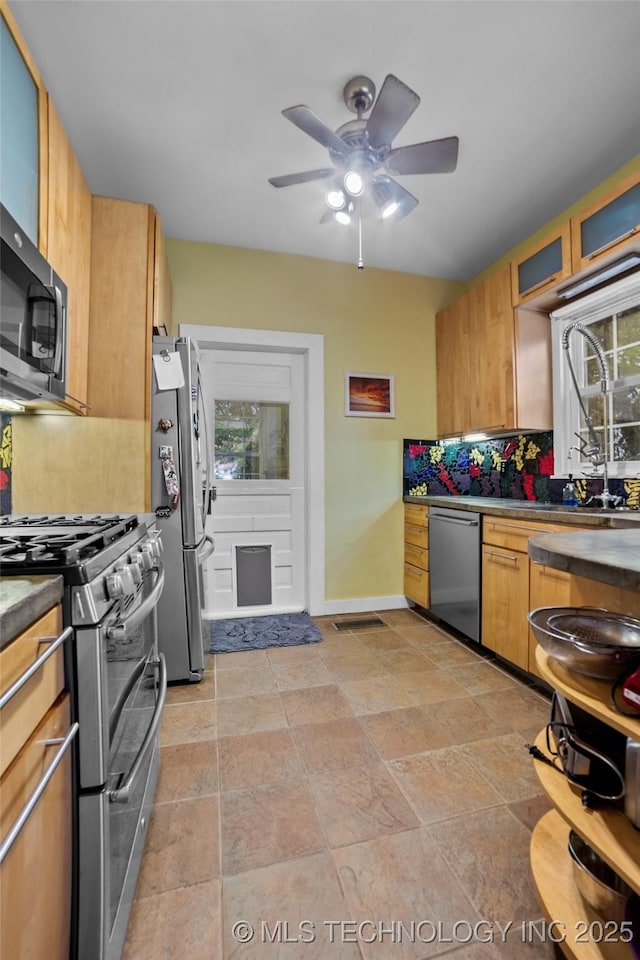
(596, 451)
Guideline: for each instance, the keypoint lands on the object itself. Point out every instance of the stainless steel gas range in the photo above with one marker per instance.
(113, 579)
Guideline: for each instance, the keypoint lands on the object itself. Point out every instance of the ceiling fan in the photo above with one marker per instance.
(362, 154)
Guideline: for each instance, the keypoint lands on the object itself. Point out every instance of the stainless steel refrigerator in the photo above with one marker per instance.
(180, 498)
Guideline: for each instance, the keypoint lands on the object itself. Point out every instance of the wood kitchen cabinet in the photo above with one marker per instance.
(493, 363)
(416, 553)
(69, 252)
(24, 97)
(452, 352)
(35, 874)
(130, 294)
(606, 229)
(542, 266)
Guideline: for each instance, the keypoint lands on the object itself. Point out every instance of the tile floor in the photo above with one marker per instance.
(364, 797)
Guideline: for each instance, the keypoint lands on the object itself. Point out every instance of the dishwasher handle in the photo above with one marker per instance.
(458, 520)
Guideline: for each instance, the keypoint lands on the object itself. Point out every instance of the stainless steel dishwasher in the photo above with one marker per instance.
(454, 568)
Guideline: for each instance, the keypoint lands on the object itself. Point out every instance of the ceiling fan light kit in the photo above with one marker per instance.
(363, 157)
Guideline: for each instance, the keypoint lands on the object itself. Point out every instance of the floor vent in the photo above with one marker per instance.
(359, 623)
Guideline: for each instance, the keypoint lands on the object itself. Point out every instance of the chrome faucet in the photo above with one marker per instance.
(595, 451)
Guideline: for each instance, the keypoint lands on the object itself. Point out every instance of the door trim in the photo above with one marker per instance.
(311, 346)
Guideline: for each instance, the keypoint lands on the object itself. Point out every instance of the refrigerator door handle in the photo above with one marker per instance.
(212, 547)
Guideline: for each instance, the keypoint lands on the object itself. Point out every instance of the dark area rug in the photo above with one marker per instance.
(256, 633)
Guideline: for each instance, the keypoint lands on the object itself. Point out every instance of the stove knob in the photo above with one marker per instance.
(128, 581)
(115, 586)
(136, 570)
(143, 560)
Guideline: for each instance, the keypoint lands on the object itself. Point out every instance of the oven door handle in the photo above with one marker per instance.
(123, 793)
(120, 631)
(123, 696)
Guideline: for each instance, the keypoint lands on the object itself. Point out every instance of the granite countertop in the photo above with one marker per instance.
(536, 510)
(609, 556)
(23, 600)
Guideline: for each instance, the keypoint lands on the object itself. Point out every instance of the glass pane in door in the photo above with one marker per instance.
(251, 440)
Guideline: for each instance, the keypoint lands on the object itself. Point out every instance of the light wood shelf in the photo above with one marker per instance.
(552, 871)
(586, 692)
(606, 829)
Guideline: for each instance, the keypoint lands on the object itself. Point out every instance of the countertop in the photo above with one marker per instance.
(609, 552)
(23, 600)
(536, 510)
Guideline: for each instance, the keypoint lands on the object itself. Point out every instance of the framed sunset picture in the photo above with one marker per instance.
(368, 395)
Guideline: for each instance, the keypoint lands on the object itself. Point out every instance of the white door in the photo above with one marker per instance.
(259, 518)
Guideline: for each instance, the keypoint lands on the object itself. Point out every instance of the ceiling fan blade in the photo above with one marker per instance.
(308, 122)
(395, 104)
(291, 178)
(387, 191)
(434, 156)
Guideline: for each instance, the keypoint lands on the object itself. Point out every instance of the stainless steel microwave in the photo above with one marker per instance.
(33, 329)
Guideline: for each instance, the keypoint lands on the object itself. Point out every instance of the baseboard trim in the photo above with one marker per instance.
(359, 605)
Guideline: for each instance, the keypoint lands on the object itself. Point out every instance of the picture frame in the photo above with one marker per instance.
(369, 394)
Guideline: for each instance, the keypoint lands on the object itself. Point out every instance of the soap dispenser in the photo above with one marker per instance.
(569, 498)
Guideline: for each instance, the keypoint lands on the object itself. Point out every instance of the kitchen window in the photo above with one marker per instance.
(251, 440)
(612, 315)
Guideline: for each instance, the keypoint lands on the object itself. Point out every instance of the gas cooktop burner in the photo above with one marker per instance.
(43, 543)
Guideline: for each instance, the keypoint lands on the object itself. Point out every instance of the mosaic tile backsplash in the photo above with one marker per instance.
(519, 467)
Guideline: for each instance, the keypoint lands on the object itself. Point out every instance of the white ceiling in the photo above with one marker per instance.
(177, 103)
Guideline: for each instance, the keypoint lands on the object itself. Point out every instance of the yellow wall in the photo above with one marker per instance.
(374, 321)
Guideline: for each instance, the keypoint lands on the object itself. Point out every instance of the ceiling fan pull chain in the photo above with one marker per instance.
(360, 260)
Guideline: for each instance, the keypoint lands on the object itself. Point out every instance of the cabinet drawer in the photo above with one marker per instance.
(417, 535)
(416, 585)
(22, 714)
(418, 556)
(416, 513)
(35, 887)
(514, 535)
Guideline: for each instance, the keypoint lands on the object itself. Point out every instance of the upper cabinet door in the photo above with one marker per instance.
(452, 368)
(541, 267)
(491, 335)
(23, 135)
(602, 231)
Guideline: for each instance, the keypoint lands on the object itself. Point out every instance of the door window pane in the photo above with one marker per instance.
(251, 440)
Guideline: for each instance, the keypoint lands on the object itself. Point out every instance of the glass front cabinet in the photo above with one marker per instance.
(542, 266)
(603, 229)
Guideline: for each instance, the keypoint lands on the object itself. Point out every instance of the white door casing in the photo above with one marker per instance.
(242, 364)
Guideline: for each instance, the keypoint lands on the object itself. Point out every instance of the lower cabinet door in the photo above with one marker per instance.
(35, 875)
(505, 604)
(547, 588)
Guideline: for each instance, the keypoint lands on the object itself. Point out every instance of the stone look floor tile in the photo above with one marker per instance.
(243, 660)
(257, 758)
(315, 705)
(188, 773)
(403, 879)
(293, 675)
(401, 618)
(306, 889)
(462, 720)
(354, 666)
(398, 733)
(188, 692)
(359, 804)
(245, 683)
(425, 635)
(183, 924)
(181, 846)
(250, 714)
(294, 653)
(529, 811)
(479, 678)
(519, 709)
(406, 660)
(188, 722)
(505, 764)
(488, 850)
(430, 686)
(340, 645)
(333, 746)
(452, 655)
(441, 785)
(382, 639)
(267, 824)
(375, 694)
